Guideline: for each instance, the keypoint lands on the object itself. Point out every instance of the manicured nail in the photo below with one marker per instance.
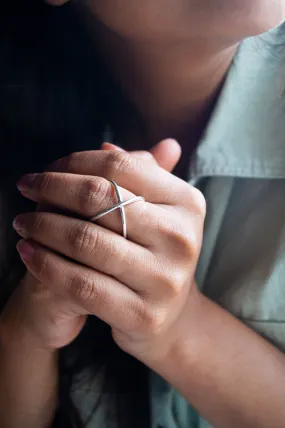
(18, 225)
(26, 182)
(26, 250)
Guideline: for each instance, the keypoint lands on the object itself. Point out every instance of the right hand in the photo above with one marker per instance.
(37, 315)
(45, 319)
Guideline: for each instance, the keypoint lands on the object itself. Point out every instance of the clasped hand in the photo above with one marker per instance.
(138, 286)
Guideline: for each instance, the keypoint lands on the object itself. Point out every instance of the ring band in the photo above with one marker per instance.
(120, 205)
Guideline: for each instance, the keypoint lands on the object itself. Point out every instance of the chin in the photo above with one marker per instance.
(183, 20)
(261, 16)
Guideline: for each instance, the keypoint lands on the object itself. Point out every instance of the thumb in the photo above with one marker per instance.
(166, 153)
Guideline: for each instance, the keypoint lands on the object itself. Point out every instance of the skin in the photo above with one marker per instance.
(175, 55)
(158, 316)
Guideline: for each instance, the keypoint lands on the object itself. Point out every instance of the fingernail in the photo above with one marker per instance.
(26, 250)
(26, 182)
(18, 224)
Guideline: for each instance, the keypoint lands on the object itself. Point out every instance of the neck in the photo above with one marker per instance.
(173, 87)
(175, 91)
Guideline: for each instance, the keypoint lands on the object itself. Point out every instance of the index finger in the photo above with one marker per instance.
(140, 176)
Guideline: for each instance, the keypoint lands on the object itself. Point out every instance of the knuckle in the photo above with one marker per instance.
(192, 245)
(92, 194)
(83, 238)
(152, 319)
(170, 277)
(121, 162)
(176, 235)
(184, 242)
(198, 202)
(173, 282)
(83, 288)
(166, 227)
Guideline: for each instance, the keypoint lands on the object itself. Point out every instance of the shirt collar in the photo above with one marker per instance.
(246, 135)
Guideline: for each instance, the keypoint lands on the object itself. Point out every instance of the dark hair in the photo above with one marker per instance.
(54, 97)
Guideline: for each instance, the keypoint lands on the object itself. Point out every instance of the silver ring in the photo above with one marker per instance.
(120, 205)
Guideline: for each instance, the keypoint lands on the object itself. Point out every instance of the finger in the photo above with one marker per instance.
(87, 196)
(53, 309)
(92, 292)
(166, 154)
(90, 245)
(57, 2)
(140, 154)
(141, 177)
(110, 146)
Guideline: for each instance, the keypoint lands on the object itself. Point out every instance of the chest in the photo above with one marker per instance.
(242, 265)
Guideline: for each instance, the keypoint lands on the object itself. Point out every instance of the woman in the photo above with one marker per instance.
(104, 331)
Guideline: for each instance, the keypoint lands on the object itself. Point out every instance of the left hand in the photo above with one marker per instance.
(138, 286)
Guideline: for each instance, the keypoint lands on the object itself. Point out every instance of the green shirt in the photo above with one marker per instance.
(240, 167)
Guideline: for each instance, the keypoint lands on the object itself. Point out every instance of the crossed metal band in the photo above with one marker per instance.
(120, 205)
